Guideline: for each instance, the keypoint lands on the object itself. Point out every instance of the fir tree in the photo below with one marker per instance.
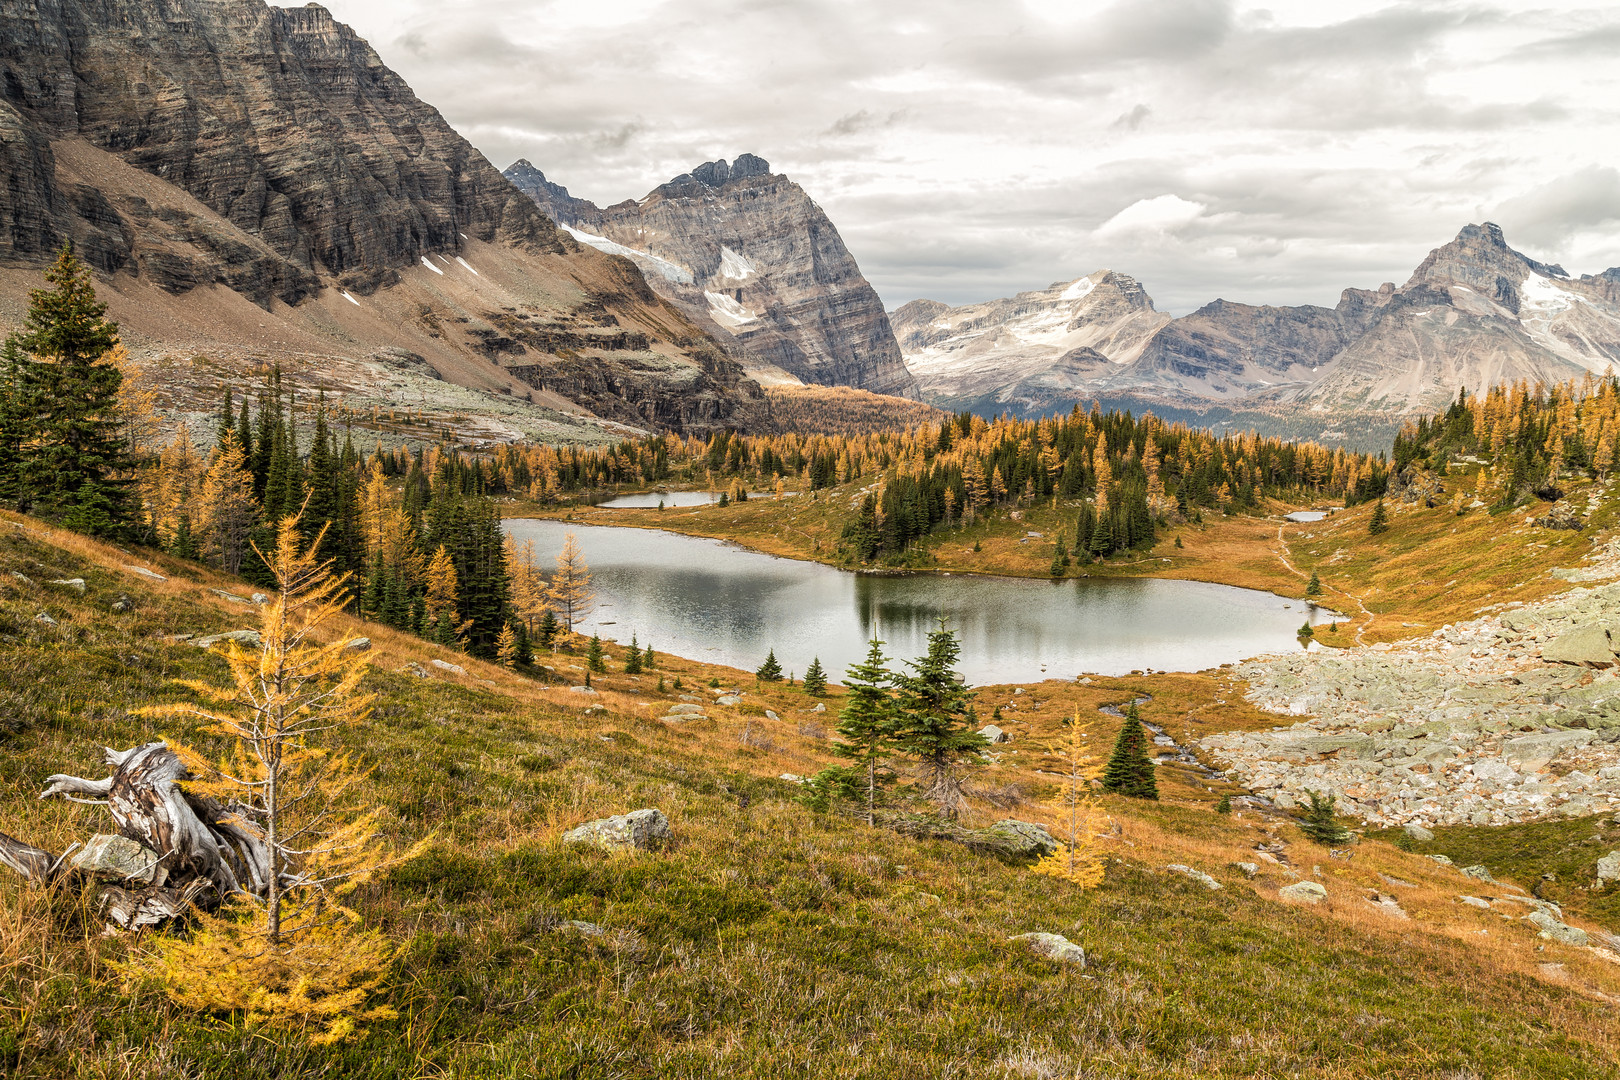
(1314, 587)
(1130, 768)
(1380, 519)
(184, 546)
(525, 650)
(770, 670)
(648, 658)
(866, 723)
(815, 679)
(632, 657)
(72, 463)
(593, 656)
(1225, 805)
(1318, 823)
(546, 632)
(935, 720)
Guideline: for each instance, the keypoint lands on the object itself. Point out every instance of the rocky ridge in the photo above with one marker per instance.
(1510, 717)
(253, 183)
(1473, 314)
(750, 257)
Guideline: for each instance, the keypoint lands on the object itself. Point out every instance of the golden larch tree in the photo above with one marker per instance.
(290, 954)
(570, 589)
(1080, 863)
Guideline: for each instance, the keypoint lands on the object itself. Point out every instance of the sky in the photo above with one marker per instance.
(1265, 153)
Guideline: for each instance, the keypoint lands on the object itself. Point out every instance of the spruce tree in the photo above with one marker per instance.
(546, 632)
(632, 657)
(1380, 519)
(525, 650)
(593, 656)
(1130, 768)
(935, 720)
(770, 670)
(815, 679)
(1318, 823)
(1314, 587)
(648, 658)
(72, 462)
(866, 723)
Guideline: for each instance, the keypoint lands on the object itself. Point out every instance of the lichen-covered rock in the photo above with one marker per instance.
(1554, 930)
(1197, 875)
(639, 829)
(1053, 947)
(1608, 868)
(1303, 892)
(1025, 837)
(1590, 646)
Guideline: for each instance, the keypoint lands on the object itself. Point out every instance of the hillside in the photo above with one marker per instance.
(520, 955)
(254, 184)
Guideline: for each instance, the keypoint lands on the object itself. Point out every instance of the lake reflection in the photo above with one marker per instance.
(709, 600)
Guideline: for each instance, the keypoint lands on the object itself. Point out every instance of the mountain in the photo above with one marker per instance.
(1026, 353)
(1474, 313)
(230, 168)
(748, 255)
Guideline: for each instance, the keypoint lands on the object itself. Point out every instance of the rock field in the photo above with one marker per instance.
(1511, 717)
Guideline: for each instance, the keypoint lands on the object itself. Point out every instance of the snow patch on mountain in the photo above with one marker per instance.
(726, 311)
(670, 271)
(734, 266)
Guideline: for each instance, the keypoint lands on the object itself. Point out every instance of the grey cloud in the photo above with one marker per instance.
(1551, 213)
(1133, 120)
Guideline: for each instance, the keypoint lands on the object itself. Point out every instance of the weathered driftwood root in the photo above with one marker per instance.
(202, 849)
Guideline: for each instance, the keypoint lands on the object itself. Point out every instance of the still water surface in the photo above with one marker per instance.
(710, 600)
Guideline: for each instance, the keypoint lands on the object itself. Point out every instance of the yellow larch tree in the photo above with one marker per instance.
(287, 954)
(226, 508)
(1081, 862)
(440, 602)
(570, 591)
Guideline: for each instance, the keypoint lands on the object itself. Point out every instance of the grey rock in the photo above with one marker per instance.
(1554, 930)
(259, 598)
(640, 829)
(589, 691)
(413, 668)
(728, 699)
(1474, 901)
(76, 584)
(1025, 837)
(24, 578)
(123, 604)
(1588, 646)
(820, 708)
(359, 644)
(994, 734)
(589, 929)
(118, 858)
(686, 707)
(44, 619)
(792, 778)
(1303, 892)
(1441, 859)
(445, 665)
(249, 638)
(1477, 872)
(150, 575)
(1053, 947)
(769, 715)
(1418, 832)
(1608, 868)
(1249, 869)
(1197, 875)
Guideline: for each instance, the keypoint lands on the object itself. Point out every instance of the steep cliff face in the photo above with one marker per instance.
(1474, 313)
(192, 145)
(746, 253)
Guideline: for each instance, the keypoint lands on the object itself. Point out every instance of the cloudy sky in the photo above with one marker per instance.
(1266, 152)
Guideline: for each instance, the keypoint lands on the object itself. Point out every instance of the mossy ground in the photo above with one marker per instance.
(766, 940)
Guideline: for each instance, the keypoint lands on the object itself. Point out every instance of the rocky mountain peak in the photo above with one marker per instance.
(718, 173)
(1481, 260)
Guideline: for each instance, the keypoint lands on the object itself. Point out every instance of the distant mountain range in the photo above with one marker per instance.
(1475, 313)
(253, 183)
(750, 257)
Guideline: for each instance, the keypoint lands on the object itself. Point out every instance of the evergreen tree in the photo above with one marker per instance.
(648, 659)
(1380, 519)
(632, 657)
(815, 679)
(593, 656)
(770, 670)
(546, 633)
(525, 650)
(1318, 823)
(244, 433)
(935, 720)
(1314, 587)
(866, 723)
(1225, 805)
(227, 417)
(1130, 768)
(184, 546)
(72, 463)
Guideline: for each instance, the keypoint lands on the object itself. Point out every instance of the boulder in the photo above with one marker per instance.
(639, 829)
(1608, 868)
(259, 598)
(150, 575)
(45, 619)
(1197, 875)
(1553, 930)
(413, 668)
(1025, 837)
(589, 691)
(688, 708)
(993, 734)
(75, 583)
(244, 637)
(118, 858)
(1249, 869)
(1419, 833)
(1441, 859)
(122, 604)
(1053, 947)
(1534, 751)
(792, 778)
(1474, 901)
(1478, 873)
(1304, 892)
(728, 699)
(1588, 646)
(445, 665)
(359, 644)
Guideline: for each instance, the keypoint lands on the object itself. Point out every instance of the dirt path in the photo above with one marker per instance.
(1282, 557)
